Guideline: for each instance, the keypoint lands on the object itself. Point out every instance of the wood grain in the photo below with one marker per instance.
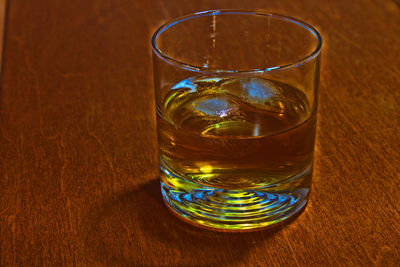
(78, 171)
(3, 7)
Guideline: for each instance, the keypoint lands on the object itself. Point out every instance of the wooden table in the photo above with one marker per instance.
(78, 173)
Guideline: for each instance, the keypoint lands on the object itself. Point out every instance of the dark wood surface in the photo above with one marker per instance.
(78, 167)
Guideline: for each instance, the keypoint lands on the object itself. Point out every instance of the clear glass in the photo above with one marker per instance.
(236, 96)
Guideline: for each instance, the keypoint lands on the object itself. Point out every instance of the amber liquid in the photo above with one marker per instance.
(232, 133)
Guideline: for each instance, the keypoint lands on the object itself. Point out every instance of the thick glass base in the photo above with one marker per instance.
(235, 210)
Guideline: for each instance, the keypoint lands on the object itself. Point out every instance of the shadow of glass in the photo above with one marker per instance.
(137, 229)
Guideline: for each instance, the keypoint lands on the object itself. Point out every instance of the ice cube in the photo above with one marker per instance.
(258, 90)
(214, 105)
(187, 83)
(252, 90)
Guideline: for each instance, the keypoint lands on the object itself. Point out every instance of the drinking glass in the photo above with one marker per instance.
(236, 104)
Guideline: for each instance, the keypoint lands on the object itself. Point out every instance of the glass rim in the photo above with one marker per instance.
(208, 70)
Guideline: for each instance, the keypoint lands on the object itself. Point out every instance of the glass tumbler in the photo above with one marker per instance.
(236, 104)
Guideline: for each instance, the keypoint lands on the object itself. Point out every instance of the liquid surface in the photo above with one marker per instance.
(235, 133)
